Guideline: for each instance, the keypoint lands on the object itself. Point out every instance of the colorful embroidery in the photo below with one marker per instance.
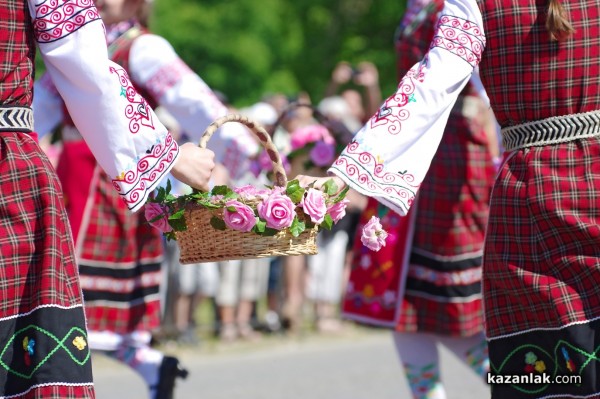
(423, 381)
(478, 359)
(55, 19)
(137, 111)
(538, 360)
(133, 184)
(461, 37)
(392, 113)
(28, 345)
(166, 77)
(79, 343)
(569, 363)
(363, 168)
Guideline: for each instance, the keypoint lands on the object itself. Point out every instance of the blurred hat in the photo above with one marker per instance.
(261, 112)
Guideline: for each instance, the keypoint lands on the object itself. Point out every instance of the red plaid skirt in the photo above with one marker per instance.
(541, 279)
(432, 283)
(118, 252)
(42, 326)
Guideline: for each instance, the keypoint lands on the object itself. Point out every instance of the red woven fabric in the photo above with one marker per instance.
(527, 76)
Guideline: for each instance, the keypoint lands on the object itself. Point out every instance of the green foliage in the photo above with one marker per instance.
(248, 48)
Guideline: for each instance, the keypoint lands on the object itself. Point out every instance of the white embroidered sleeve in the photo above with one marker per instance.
(155, 66)
(390, 156)
(122, 131)
(47, 106)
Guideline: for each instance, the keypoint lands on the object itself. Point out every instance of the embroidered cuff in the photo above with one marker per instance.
(135, 185)
(367, 175)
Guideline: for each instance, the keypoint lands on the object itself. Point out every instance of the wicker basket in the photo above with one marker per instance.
(202, 243)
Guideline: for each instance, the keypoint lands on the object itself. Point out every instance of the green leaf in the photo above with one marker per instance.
(297, 227)
(160, 196)
(209, 205)
(177, 215)
(168, 191)
(260, 226)
(295, 191)
(269, 232)
(156, 218)
(341, 195)
(330, 187)
(220, 190)
(327, 222)
(178, 224)
(231, 209)
(218, 223)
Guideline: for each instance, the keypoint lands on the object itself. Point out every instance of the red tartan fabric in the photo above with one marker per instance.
(34, 231)
(119, 263)
(542, 266)
(527, 76)
(17, 49)
(38, 271)
(450, 222)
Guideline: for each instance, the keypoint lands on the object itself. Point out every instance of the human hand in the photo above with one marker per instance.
(367, 75)
(194, 166)
(319, 182)
(342, 73)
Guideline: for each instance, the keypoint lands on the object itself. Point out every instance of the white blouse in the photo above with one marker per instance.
(121, 130)
(390, 156)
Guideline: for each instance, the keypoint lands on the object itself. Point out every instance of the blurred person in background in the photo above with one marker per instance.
(366, 77)
(118, 253)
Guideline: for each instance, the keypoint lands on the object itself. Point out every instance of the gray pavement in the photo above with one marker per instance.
(356, 365)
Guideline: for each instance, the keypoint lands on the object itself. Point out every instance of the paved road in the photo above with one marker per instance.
(354, 366)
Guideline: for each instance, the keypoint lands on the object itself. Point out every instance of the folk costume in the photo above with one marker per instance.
(427, 280)
(45, 344)
(541, 270)
(118, 252)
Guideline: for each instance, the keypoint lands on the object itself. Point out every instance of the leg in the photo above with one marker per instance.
(227, 298)
(472, 351)
(294, 275)
(158, 371)
(419, 356)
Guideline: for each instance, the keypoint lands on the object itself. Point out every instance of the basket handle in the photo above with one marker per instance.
(280, 178)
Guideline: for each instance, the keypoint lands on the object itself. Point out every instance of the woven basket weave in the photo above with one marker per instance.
(203, 243)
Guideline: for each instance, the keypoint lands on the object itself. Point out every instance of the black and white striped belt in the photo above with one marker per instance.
(16, 119)
(558, 129)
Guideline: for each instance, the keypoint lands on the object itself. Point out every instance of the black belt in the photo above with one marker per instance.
(16, 119)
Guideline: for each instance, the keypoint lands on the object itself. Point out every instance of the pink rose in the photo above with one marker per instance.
(322, 154)
(373, 236)
(242, 219)
(314, 205)
(338, 210)
(277, 210)
(248, 191)
(152, 211)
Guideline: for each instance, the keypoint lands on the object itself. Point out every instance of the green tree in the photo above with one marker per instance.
(246, 48)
